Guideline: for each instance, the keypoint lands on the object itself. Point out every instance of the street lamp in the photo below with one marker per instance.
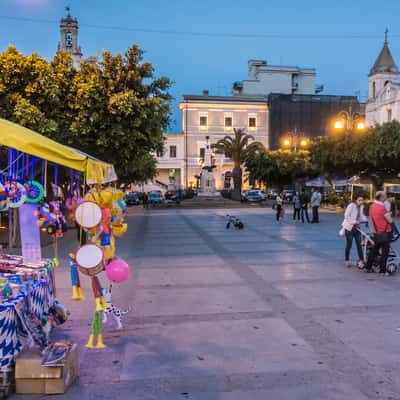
(349, 120)
(294, 140)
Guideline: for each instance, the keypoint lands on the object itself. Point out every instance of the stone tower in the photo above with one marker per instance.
(69, 39)
(383, 71)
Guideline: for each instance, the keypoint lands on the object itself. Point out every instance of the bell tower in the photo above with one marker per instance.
(69, 38)
(383, 71)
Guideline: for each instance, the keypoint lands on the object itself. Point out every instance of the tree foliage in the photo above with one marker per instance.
(240, 148)
(112, 108)
(279, 167)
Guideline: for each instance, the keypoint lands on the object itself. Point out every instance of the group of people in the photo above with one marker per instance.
(301, 203)
(382, 226)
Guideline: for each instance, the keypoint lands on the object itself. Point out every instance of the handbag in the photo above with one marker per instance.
(342, 232)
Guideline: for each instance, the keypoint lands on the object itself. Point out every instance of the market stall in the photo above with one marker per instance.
(28, 305)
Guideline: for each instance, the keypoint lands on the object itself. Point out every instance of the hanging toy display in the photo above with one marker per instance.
(101, 216)
(18, 198)
(34, 192)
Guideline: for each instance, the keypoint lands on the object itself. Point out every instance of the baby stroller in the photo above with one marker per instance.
(393, 260)
(236, 222)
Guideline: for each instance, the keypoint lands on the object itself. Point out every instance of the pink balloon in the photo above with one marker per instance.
(117, 271)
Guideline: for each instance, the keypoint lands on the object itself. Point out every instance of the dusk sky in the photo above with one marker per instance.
(214, 39)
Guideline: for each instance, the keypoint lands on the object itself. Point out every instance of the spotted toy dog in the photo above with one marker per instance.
(112, 309)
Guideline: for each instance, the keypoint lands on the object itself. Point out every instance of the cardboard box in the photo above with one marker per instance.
(32, 378)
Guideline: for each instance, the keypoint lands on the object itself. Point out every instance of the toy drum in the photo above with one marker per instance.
(88, 214)
(89, 259)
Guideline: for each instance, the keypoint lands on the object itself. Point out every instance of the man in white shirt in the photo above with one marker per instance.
(316, 199)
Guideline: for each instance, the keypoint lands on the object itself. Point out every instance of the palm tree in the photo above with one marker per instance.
(239, 150)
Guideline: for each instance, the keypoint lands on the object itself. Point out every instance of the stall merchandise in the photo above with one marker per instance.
(24, 308)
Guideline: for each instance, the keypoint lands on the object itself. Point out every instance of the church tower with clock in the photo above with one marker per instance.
(69, 39)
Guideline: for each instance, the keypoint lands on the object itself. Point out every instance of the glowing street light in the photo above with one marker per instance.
(293, 140)
(350, 120)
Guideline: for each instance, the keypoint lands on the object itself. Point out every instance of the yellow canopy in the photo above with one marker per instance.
(30, 142)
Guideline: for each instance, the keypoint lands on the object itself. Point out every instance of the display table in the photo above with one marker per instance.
(23, 313)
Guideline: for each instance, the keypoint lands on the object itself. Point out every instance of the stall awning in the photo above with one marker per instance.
(30, 142)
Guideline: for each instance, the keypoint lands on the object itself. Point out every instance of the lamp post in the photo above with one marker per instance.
(294, 140)
(350, 120)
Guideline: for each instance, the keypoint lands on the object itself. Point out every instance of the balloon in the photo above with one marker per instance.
(117, 271)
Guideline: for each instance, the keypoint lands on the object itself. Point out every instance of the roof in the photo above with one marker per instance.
(226, 99)
(384, 62)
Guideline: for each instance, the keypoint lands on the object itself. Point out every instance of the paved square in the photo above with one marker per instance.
(269, 312)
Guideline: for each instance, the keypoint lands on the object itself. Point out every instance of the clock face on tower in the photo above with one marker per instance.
(68, 39)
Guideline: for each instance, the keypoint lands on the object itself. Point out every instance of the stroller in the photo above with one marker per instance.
(236, 222)
(393, 260)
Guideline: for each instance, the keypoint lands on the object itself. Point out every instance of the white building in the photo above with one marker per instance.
(265, 79)
(383, 89)
(171, 162)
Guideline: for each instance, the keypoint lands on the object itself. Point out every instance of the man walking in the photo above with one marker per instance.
(381, 221)
(304, 206)
(316, 199)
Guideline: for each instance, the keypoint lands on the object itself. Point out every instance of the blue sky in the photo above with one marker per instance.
(316, 33)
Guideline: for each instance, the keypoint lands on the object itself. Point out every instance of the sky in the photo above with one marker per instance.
(210, 41)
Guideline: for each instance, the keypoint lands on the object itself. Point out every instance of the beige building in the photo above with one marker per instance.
(215, 117)
(211, 117)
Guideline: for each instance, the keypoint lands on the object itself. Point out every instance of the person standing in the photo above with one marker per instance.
(279, 207)
(381, 221)
(353, 217)
(316, 199)
(296, 207)
(304, 206)
(145, 201)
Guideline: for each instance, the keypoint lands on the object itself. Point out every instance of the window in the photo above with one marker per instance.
(202, 153)
(160, 153)
(373, 89)
(68, 39)
(389, 115)
(252, 123)
(228, 122)
(172, 151)
(203, 121)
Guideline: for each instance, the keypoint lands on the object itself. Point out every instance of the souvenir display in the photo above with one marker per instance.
(27, 292)
(101, 215)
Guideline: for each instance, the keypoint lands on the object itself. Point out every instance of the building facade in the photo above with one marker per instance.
(211, 118)
(264, 79)
(383, 89)
(69, 39)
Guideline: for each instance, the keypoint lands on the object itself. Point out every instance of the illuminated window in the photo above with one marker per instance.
(172, 151)
(252, 123)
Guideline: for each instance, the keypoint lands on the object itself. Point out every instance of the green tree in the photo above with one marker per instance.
(113, 108)
(279, 167)
(239, 148)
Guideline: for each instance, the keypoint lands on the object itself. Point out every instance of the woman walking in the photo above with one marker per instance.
(279, 207)
(353, 217)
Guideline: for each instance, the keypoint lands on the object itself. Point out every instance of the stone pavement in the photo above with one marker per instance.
(264, 313)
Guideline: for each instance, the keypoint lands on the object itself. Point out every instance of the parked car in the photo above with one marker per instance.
(244, 193)
(132, 198)
(254, 196)
(155, 197)
(172, 195)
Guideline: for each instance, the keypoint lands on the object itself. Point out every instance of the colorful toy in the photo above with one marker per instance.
(34, 192)
(112, 309)
(117, 271)
(96, 330)
(77, 293)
